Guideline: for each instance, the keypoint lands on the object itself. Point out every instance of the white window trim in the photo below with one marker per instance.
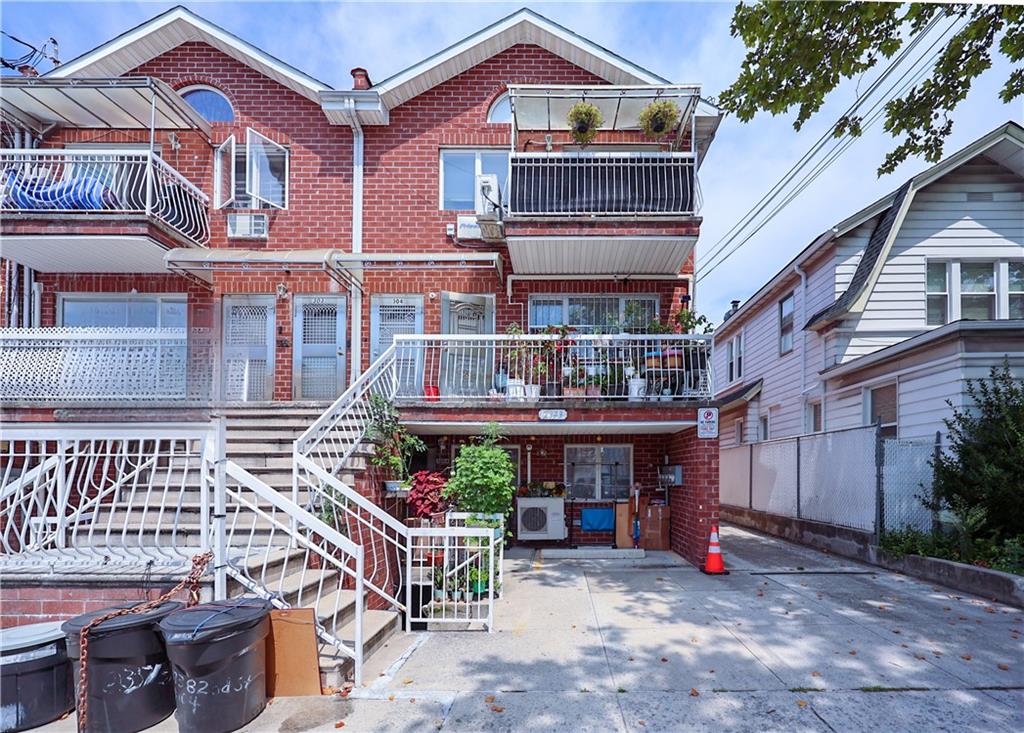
(63, 297)
(766, 420)
(734, 358)
(477, 171)
(251, 184)
(218, 169)
(867, 407)
(207, 88)
(737, 427)
(792, 323)
(564, 297)
(1001, 282)
(809, 416)
(490, 110)
(597, 480)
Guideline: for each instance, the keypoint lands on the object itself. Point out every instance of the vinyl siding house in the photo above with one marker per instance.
(885, 316)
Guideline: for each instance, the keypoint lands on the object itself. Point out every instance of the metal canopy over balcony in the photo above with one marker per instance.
(127, 103)
(544, 107)
(620, 256)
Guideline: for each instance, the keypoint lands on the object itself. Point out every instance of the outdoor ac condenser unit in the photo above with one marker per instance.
(541, 518)
(248, 226)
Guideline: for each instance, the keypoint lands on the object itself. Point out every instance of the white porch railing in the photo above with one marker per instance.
(602, 184)
(533, 367)
(69, 365)
(103, 181)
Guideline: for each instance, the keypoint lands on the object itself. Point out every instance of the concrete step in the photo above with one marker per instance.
(378, 627)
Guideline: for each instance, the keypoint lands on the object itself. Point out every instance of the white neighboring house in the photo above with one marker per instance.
(885, 316)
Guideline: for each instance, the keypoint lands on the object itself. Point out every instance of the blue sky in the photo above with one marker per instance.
(682, 41)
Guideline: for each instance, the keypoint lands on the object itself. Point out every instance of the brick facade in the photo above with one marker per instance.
(34, 602)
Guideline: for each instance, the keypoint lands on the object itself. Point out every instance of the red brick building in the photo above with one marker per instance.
(294, 241)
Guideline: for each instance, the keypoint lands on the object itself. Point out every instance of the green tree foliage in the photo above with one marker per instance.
(799, 52)
(483, 477)
(981, 477)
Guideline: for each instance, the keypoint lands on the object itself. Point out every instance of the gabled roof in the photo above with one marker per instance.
(523, 26)
(169, 30)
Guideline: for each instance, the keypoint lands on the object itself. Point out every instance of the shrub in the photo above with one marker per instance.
(584, 119)
(483, 476)
(426, 497)
(395, 444)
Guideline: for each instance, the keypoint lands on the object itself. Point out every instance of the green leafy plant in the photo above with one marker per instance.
(584, 119)
(483, 475)
(426, 497)
(688, 321)
(396, 446)
(659, 118)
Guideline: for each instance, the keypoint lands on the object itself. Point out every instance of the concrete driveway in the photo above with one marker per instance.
(792, 639)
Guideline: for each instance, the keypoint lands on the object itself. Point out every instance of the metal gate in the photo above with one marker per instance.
(465, 367)
(248, 347)
(318, 354)
(390, 316)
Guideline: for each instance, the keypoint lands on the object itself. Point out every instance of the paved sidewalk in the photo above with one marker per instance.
(792, 640)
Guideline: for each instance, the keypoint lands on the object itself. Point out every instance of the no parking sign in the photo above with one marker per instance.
(707, 422)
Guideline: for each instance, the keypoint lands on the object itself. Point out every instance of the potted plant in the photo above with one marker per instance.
(515, 387)
(438, 584)
(479, 579)
(594, 384)
(426, 499)
(584, 119)
(482, 478)
(688, 321)
(616, 381)
(576, 382)
(395, 444)
(659, 118)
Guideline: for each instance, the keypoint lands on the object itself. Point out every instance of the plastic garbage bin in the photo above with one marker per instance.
(35, 676)
(219, 655)
(130, 687)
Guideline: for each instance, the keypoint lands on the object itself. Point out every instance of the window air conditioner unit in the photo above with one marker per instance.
(540, 518)
(248, 226)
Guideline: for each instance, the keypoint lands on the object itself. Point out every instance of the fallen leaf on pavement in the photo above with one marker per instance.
(815, 674)
(497, 709)
(664, 659)
(340, 724)
(641, 723)
(966, 657)
(1003, 667)
(853, 653)
(989, 609)
(801, 703)
(391, 698)
(489, 699)
(407, 681)
(693, 692)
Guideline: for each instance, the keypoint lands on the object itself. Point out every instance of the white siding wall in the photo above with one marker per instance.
(941, 224)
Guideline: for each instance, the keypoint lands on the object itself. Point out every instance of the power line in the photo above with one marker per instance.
(842, 144)
(735, 231)
(47, 52)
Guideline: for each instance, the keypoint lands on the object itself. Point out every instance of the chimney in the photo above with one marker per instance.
(28, 70)
(360, 78)
(734, 306)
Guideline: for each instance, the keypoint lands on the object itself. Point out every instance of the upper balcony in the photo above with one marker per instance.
(84, 185)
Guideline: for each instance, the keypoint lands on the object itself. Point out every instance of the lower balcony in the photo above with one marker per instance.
(104, 367)
(580, 370)
(78, 208)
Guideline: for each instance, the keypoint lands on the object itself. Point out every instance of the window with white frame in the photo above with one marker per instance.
(593, 313)
(500, 109)
(209, 102)
(764, 428)
(117, 310)
(814, 417)
(738, 432)
(938, 293)
(602, 472)
(459, 169)
(973, 290)
(251, 176)
(1015, 289)
(734, 357)
(786, 307)
(883, 409)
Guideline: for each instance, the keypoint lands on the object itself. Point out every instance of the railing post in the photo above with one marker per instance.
(205, 530)
(62, 492)
(360, 603)
(219, 515)
(408, 582)
(491, 580)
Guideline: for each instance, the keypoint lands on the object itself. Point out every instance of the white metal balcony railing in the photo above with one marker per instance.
(106, 181)
(602, 184)
(110, 365)
(534, 367)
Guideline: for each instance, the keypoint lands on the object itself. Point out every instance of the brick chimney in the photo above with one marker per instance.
(360, 78)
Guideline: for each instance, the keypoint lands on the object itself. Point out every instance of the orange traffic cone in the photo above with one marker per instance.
(714, 565)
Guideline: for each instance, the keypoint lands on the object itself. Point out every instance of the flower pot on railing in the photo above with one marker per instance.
(515, 390)
(637, 389)
(532, 392)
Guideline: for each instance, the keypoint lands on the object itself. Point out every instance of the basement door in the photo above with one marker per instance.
(394, 315)
(249, 347)
(318, 354)
(465, 366)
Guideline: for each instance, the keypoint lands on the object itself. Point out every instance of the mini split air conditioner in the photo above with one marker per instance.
(247, 226)
(541, 518)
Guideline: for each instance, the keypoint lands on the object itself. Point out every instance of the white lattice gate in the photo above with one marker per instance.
(248, 348)
(318, 357)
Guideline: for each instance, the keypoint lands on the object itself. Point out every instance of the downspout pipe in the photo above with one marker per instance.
(356, 294)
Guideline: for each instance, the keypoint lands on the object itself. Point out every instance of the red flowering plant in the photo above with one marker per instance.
(425, 497)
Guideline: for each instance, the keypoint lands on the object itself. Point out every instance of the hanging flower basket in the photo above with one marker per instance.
(659, 118)
(584, 119)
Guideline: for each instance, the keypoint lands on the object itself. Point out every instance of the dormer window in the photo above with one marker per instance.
(209, 102)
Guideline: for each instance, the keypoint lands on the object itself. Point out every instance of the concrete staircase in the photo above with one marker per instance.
(259, 438)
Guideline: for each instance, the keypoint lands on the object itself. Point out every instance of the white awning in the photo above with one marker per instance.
(126, 103)
(93, 253)
(625, 256)
(519, 427)
(206, 261)
(543, 107)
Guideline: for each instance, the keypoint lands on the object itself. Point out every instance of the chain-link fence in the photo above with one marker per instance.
(848, 478)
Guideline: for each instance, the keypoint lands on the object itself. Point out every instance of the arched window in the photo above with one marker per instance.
(501, 109)
(209, 102)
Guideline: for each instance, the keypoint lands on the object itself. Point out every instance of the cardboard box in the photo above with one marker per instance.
(654, 526)
(624, 524)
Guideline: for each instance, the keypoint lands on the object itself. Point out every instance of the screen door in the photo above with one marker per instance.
(318, 355)
(394, 315)
(248, 347)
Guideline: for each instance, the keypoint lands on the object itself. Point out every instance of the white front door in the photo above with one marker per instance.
(394, 315)
(249, 347)
(318, 355)
(465, 366)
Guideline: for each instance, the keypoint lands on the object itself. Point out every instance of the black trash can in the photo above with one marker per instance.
(130, 686)
(35, 676)
(219, 655)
